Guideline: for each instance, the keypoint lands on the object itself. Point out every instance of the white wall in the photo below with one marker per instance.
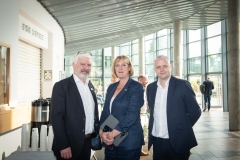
(52, 58)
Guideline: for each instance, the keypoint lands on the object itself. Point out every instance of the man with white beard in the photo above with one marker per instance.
(74, 111)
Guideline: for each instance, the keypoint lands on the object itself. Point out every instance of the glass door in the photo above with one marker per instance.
(195, 81)
(216, 99)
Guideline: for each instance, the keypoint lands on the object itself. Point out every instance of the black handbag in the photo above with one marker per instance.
(96, 143)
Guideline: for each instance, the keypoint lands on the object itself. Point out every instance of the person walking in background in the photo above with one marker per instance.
(208, 93)
(144, 81)
(124, 100)
(74, 111)
(173, 112)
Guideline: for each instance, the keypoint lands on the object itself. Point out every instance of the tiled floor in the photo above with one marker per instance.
(215, 141)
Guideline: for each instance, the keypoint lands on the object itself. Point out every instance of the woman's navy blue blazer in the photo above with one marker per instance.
(126, 108)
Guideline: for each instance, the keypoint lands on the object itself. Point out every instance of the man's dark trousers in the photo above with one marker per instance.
(207, 100)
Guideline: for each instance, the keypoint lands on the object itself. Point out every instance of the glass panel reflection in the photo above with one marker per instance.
(214, 29)
(194, 35)
(216, 98)
(162, 32)
(136, 71)
(148, 37)
(195, 81)
(150, 46)
(125, 50)
(163, 52)
(97, 60)
(150, 72)
(195, 49)
(135, 48)
(162, 42)
(214, 63)
(214, 45)
(195, 65)
(135, 60)
(150, 56)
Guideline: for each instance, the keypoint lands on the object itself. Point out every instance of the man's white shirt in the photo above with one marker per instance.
(88, 103)
(160, 127)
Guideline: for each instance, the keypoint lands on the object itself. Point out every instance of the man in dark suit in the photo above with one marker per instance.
(208, 92)
(173, 112)
(74, 112)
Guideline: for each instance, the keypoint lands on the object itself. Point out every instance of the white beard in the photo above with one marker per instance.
(83, 76)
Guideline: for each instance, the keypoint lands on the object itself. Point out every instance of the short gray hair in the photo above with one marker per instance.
(162, 57)
(81, 54)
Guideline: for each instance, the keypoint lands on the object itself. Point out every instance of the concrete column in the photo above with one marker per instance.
(141, 56)
(177, 26)
(233, 65)
(113, 53)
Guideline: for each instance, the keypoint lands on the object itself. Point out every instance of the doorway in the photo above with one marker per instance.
(195, 81)
(216, 99)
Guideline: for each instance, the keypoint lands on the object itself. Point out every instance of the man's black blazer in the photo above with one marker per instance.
(68, 116)
(208, 86)
(183, 112)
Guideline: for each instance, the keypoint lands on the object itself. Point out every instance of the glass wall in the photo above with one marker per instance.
(107, 68)
(195, 81)
(68, 70)
(208, 38)
(194, 61)
(194, 52)
(125, 49)
(130, 49)
(135, 58)
(214, 61)
(150, 54)
(157, 44)
(163, 42)
(202, 50)
(216, 98)
(96, 76)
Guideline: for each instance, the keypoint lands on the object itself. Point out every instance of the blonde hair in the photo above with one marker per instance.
(125, 60)
(114, 79)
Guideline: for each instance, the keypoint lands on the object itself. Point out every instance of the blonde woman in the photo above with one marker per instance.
(124, 100)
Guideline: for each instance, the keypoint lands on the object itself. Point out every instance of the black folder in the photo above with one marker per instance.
(108, 125)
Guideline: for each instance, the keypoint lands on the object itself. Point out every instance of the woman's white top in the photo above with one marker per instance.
(111, 104)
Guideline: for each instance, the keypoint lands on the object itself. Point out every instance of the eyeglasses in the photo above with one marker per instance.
(82, 52)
